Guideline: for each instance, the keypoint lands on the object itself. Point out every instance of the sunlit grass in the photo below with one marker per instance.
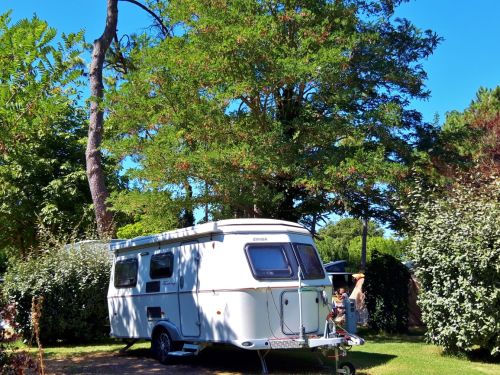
(62, 351)
(79, 350)
(411, 355)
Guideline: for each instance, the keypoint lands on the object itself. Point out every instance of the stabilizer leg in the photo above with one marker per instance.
(128, 343)
(262, 358)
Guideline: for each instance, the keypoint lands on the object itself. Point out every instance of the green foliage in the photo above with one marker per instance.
(342, 240)
(386, 293)
(151, 212)
(334, 238)
(456, 248)
(375, 245)
(467, 142)
(273, 109)
(470, 139)
(42, 150)
(349, 228)
(475, 132)
(73, 282)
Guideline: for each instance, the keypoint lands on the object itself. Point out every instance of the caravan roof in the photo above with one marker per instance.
(216, 227)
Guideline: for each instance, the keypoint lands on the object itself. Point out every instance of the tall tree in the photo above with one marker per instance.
(95, 171)
(267, 105)
(41, 154)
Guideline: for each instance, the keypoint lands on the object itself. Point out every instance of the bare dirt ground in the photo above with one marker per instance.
(113, 363)
(210, 361)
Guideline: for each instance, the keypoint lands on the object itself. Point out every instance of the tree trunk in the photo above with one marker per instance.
(364, 235)
(95, 172)
(187, 216)
(313, 224)
(206, 203)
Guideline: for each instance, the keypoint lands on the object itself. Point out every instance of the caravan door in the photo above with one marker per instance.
(189, 310)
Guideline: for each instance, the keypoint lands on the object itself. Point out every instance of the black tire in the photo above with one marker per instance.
(162, 344)
(347, 367)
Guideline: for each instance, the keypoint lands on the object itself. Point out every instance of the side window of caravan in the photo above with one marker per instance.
(268, 261)
(162, 266)
(309, 262)
(126, 273)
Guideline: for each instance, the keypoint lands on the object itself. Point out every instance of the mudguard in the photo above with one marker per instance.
(170, 327)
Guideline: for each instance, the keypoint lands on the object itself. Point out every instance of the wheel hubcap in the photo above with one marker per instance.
(164, 343)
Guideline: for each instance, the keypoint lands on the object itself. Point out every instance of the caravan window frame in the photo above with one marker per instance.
(132, 280)
(306, 272)
(168, 254)
(270, 274)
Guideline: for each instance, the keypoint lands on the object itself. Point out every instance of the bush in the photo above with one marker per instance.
(73, 282)
(456, 249)
(386, 293)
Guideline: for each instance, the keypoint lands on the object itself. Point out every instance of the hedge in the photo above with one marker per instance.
(73, 281)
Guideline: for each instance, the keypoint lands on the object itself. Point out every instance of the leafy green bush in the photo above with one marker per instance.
(456, 249)
(73, 282)
(386, 293)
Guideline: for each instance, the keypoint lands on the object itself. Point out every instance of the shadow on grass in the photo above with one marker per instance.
(227, 359)
(412, 336)
(365, 360)
(220, 358)
(477, 355)
(214, 358)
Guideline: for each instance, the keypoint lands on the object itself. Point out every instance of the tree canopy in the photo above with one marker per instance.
(279, 109)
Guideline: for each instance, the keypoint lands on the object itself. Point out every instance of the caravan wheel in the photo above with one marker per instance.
(346, 368)
(162, 345)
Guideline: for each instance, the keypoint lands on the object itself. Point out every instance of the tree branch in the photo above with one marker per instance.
(153, 14)
(120, 54)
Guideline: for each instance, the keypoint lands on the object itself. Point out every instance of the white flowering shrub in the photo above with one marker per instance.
(456, 249)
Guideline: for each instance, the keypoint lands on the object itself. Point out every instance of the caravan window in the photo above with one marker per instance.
(268, 261)
(162, 266)
(126, 273)
(309, 262)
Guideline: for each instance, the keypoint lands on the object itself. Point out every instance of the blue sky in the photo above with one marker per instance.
(469, 56)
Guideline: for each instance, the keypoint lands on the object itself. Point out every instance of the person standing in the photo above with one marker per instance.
(359, 297)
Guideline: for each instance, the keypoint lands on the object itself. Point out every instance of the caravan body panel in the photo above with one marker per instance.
(233, 281)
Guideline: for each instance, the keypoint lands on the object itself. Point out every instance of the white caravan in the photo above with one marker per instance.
(257, 284)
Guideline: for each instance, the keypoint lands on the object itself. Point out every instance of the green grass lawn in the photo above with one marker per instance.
(62, 351)
(410, 355)
(79, 350)
(381, 354)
